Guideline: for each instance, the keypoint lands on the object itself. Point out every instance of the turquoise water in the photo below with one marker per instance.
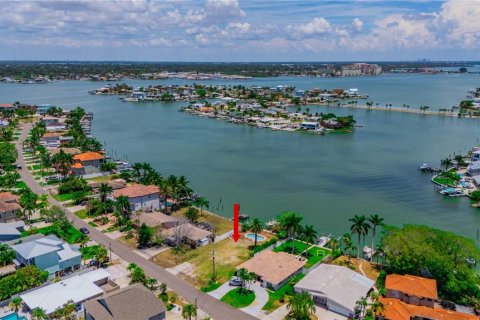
(252, 236)
(326, 178)
(13, 316)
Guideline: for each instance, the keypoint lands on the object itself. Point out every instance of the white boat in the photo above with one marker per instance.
(452, 192)
(367, 252)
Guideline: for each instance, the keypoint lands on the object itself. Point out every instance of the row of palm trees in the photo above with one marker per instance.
(361, 226)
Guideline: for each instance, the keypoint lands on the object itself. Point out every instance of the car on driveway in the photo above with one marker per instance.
(84, 230)
(235, 282)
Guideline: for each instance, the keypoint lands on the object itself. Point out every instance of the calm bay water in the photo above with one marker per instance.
(326, 178)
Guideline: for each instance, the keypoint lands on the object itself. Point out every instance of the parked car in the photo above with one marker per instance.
(19, 167)
(84, 230)
(235, 282)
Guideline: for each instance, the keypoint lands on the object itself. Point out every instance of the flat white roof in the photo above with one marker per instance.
(339, 284)
(77, 288)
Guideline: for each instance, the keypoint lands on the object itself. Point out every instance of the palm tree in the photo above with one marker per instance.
(459, 160)
(136, 167)
(189, 311)
(290, 222)
(15, 304)
(360, 226)
(301, 306)
(308, 234)
(123, 206)
(256, 226)
(105, 190)
(447, 162)
(39, 314)
(376, 221)
(62, 162)
(349, 246)
(202, 202)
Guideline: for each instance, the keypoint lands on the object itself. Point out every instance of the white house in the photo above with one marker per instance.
(141, 197)
(335, 288)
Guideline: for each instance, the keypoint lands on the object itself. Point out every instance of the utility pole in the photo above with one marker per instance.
(213, 264)
(110, 249)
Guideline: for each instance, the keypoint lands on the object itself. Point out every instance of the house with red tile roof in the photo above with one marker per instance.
(87, 163)
(412, 289)
(394, 309)
(9, 207)
(141, 197)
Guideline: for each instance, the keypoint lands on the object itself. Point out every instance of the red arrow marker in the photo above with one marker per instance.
(236, 216)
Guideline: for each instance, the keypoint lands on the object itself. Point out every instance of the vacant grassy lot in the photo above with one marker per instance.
(314, 255)
(354, 264)
(102, 179)
(220, 224)
(228, 255)
(292, 247)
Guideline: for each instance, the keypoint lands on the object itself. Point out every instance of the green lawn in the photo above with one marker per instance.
(445, 181)
(89, 252)
(72, 235)
(315, 255)
(211, 286)
(35, 167)
(82, 214)
(69, 196)
(21, 185)
(239, 299)
(298, 247)
(277, 298)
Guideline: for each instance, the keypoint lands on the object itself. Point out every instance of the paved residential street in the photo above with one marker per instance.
(215, 308)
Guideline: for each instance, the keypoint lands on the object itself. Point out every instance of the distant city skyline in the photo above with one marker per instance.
(240, 30)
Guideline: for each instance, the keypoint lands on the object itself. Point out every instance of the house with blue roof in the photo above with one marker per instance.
(48, 253)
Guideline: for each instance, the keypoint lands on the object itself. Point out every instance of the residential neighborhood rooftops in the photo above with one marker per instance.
(412, 285)
(6, 105)
(273, 267)
(340, 284)
(77, 288)
(136, 190)
(88, 156)
(44, 245)
(134, 302)
(394, 309)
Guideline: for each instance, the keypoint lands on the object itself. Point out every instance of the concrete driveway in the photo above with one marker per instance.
(255, 309)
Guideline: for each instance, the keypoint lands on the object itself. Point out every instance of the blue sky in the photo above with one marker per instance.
(239, 30)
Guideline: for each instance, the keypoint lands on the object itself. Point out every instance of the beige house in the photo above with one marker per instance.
(158, 219)
(273, 269)
(87, 163)
(190, 234)
(141, 197)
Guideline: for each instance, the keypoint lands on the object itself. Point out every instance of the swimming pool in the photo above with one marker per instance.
(252, 236)
(12, 316)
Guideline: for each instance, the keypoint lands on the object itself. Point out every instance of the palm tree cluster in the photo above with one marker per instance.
(290, 222)
(300, 306)
(361, 226)
(176, 188)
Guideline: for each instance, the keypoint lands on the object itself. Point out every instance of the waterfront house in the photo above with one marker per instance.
(43, 108)
(87, 163)
(50, 120)
(394, 309)
(332, 124)
(51, 140)
(115, 184)
(48, 253)
(134, 302)
(75, 289)
(141, 197)
(7, 107)
(335, 288)
(190, 234)
(11, 230)
(158, 219)
(309, 125)
(273, 269)
(9, 207)
(473, 168)
(412, 289)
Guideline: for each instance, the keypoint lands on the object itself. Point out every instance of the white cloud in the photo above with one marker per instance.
(357, 24)
(317, 26)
